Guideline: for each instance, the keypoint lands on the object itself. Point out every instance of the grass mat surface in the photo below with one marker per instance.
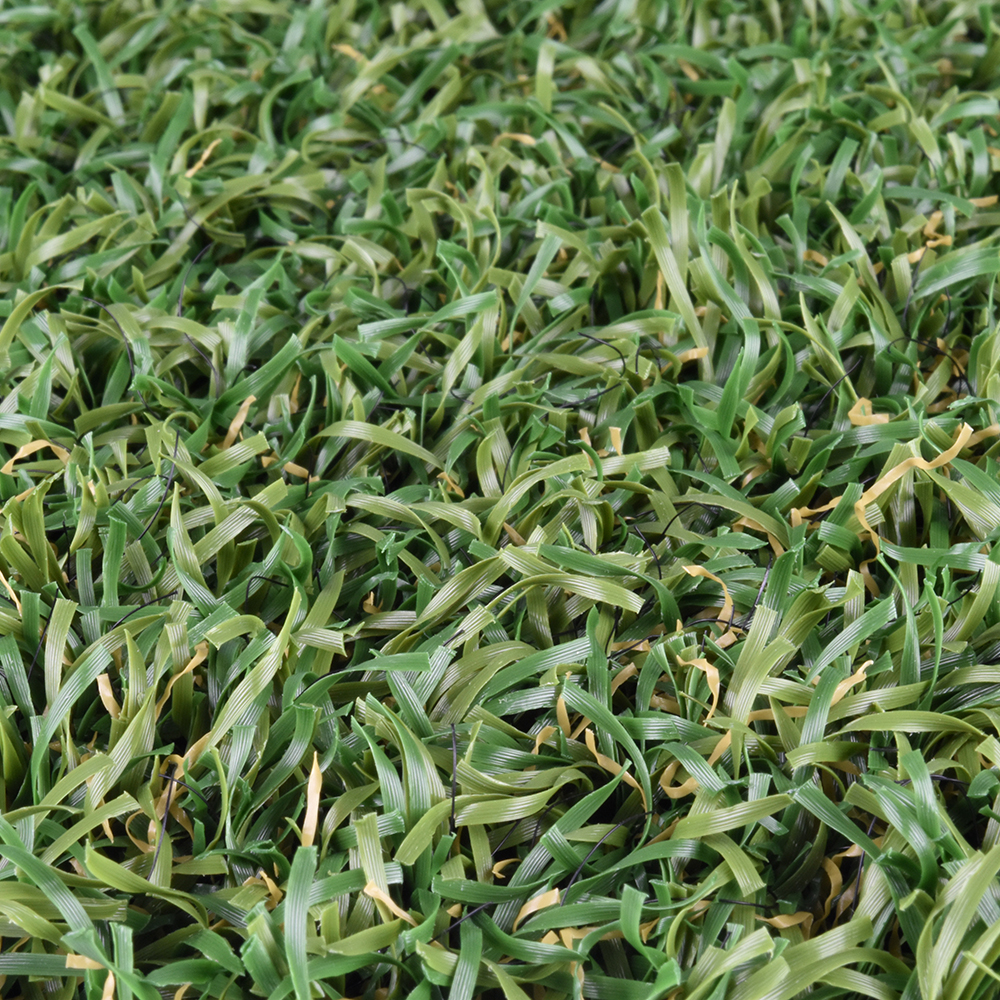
(499, 499)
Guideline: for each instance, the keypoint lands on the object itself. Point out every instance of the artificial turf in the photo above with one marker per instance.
(499, 499)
